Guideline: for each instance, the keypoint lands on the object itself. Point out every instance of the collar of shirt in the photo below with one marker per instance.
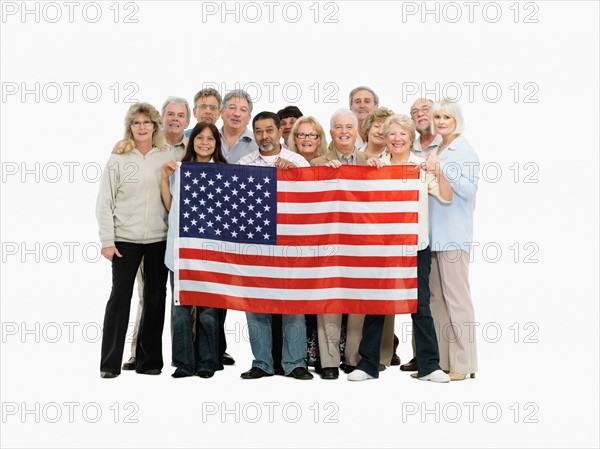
(347, 160)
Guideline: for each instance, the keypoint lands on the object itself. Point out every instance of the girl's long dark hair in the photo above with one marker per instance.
(190, 153)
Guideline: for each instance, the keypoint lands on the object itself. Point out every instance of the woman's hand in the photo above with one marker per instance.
(432, 163)
(167, 169)
(110, 251)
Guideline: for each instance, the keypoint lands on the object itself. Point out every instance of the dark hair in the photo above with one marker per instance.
(289, 111)
(266, 115)
(190, 153)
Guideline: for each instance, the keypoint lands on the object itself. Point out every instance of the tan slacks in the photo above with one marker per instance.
(452, 311)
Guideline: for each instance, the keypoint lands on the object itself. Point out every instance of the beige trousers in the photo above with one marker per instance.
(452, 311)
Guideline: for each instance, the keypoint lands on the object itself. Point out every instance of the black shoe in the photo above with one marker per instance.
(107, 375)
(395, 360)
(279, 371)
(255, 373)
(129, 365)
(227, 359)
(150, 372)
(349, 368)
(205, 374)
(179, 373)
(330, 373)
(300, 373)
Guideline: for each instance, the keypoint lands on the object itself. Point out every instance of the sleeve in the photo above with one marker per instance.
(105, 204)
(463, 172)
(433, 188)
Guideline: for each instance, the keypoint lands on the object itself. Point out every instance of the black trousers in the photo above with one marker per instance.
(427, 352)
(116, 316)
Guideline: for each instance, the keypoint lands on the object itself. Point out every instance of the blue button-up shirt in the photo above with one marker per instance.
(451, 224)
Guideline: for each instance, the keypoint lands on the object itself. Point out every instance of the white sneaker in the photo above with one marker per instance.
(437, 376)
(358, 375)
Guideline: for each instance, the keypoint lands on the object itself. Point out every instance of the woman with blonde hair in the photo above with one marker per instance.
(133, 226)
(451, 234)
(308, 138)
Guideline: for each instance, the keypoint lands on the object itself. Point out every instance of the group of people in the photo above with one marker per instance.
(137, 233)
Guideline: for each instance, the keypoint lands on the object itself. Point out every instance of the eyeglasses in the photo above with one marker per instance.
(203, 107)
(145, 123)
(311, 136)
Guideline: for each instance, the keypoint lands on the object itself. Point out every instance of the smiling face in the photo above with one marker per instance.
(343, 133)
(376, 133)
(204, 145)
(267, 135)
(420, 112)
(176, 120)
(398, 141)
(363, 102)
(142, 129)
(307, 140)
(444, 124)
(207, 109)
(236, 114)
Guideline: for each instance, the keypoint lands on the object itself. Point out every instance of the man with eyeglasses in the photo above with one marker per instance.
(420, 112)
(342, 151)
(206, 107)
(363, 100)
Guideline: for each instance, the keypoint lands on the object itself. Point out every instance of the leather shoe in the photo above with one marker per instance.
(205, 374)
(227, 359)
(349, 368)
(255, 373)
(150, 372)
(107, 375)
(330, 373)
(410, 366)
(301, 373)
(129, 365)
(395, 360)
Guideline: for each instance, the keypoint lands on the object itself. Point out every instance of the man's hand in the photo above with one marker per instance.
(284, 164)
(375, 162)
(119, 147)
(333, 163)
(110, 251)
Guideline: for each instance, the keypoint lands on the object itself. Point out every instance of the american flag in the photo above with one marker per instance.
(303, 240)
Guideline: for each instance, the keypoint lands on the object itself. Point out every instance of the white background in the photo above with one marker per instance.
(540, 372)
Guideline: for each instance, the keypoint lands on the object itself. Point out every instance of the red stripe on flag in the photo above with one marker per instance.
(348, 217)
(348, 195)
(333, 305)
(348, 239)
(297, 260)
(303, 283)
(357, 173)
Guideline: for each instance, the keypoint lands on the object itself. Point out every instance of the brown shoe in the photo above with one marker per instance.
(410, 366)
(129, 365)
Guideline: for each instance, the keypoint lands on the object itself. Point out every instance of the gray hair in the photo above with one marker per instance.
(239, 93)
(175, 100)
(342, 112)
(452, 108)
(368, 89)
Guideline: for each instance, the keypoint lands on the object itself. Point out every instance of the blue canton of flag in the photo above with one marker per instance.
(231, 203)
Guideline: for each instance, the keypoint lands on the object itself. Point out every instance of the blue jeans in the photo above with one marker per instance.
(200, 355)
(261, 341)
